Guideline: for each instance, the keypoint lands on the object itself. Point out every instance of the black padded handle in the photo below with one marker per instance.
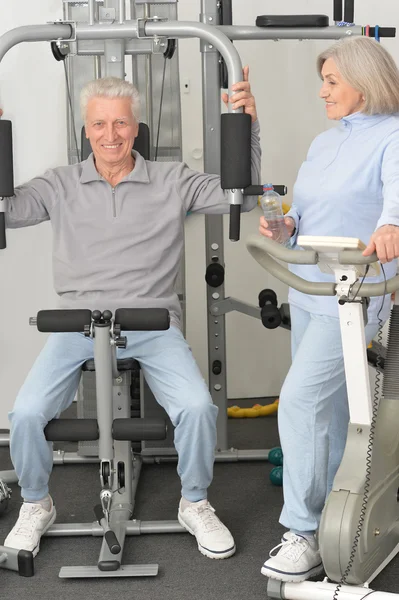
(337, 10)
(71, 430)
(388, 32)
(112, 542)
(282, 21)
(3, 243)
(235, 164)
(257, 190)
(6, 161)
(137, 430)
(349, 11)
(142, 319)
(234, 230)
(69, 321)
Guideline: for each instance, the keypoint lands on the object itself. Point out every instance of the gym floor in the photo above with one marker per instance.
(244, 499)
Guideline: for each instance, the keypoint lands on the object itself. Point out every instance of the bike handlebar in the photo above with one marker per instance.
(265, 250)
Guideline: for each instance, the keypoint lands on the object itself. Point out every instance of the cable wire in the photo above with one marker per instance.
(160, 107)
(72, 111)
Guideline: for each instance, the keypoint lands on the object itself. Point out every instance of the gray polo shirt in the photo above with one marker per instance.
(121, 247)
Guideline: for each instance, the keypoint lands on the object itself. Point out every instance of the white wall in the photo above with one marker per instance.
(284, 81)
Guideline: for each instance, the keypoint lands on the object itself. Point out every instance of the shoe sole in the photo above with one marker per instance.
(205, 551)
(49, 524)
(291, 577)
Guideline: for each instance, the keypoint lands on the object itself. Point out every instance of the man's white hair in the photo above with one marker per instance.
(110, 87)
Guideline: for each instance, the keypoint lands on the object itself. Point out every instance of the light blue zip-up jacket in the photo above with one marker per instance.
(348, 186)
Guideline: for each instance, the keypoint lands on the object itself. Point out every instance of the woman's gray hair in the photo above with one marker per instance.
(369, 69)
(110, 87)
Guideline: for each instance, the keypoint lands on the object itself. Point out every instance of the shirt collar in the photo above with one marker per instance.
(359, 119)
(138, 175)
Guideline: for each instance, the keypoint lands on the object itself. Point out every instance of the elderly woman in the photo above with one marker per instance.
(118, 224)
(347, 186)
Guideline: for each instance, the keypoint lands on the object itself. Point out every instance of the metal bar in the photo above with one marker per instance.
(33, 33)
(102, 358)
(91, 7)
(248, 32)
(114, 31)
(221, 307)
(160, 455)
(134, 527)
(122, 11)
(214, 243)
(9, 558)
(210, 34)
(96, 48)
(94, 572)
(60, 458)
(5, 439)
(8, 476)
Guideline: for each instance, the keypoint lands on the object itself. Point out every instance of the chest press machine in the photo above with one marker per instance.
(113, 428)
(359, 531)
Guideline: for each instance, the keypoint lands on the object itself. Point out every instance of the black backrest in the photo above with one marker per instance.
(141, 143)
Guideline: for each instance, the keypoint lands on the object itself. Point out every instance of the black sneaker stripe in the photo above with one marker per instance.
(217, 551)
(293, 573)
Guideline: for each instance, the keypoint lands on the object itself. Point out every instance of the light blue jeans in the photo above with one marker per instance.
(170, 371)
(313, 417)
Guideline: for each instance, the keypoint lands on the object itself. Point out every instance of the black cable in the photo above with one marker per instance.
(370, 445)
(160, 107)
(71, 109)
(360, 285)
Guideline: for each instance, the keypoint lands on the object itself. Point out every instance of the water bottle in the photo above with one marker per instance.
(273, 213)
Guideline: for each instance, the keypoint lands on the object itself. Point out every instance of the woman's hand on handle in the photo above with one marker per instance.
(385, 242)
(264, 227)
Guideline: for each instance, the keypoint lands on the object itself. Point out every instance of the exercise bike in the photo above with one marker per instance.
(359, 530)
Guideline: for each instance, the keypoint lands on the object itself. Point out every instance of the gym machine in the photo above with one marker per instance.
(268, 27)
(109, 37)
(115, 430)
(119, 36)
(99, 29)
(359, 530)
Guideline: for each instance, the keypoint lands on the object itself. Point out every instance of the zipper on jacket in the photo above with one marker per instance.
(113, 203)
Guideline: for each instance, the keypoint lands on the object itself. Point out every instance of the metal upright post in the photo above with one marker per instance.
(114, 49)
(214, 223)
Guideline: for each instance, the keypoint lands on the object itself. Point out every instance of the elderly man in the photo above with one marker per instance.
(118, 223)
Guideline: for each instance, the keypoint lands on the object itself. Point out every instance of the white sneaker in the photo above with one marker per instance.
(214, 539)
(33, 522)
(298, 559)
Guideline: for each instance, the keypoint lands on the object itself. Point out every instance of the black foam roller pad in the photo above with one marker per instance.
(71, 430)
(137, 430)
(68, 321)
(142, 319)
(6, 162)
(235, 151)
